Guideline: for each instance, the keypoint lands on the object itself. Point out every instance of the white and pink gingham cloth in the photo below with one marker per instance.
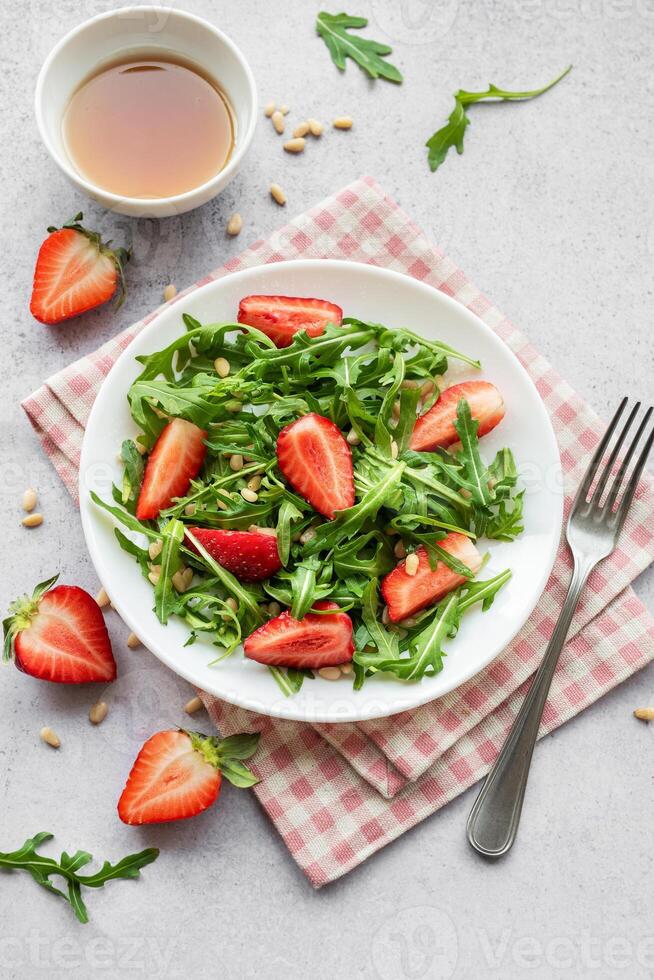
(337, 793)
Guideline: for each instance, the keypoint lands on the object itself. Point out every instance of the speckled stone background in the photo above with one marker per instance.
(550, 211)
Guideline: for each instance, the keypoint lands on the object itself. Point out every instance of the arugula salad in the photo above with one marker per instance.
(308, 485)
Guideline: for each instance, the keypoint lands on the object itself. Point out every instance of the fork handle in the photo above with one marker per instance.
(494, 818)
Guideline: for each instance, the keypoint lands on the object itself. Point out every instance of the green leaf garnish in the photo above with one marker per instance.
(369, 55)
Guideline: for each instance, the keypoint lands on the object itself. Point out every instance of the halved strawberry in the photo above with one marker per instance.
(175, 460)
(436, 427)
(280, 317)
(316, 460)
(406, 594)
(249, 555)
(59, 634)
(75, 271)
(315, 641)
(178, 774)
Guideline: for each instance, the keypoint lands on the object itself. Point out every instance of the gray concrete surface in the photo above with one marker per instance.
(550, 211)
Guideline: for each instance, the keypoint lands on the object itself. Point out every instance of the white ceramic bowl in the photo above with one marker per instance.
(154, 29)
(379, 296)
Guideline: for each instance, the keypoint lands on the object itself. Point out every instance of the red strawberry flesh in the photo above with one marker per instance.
(406, 594)
(436, 427)
(175, 460)
(249, 555)
(281, 317)
(316, 460)
(313, 642)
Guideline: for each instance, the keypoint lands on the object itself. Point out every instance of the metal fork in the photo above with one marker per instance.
(592, 532)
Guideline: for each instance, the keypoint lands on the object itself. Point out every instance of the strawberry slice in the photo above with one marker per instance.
(316, 460)
(175, 460)
(406, 594)
(315, 641)
(178, 774)
(59, 634)
(280, 317)
(436, 427)
(75, 271)
(249, 555)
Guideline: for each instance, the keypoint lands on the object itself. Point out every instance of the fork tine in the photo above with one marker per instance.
(634, 479)
(608, 468)
(590, 473)
(617, 483)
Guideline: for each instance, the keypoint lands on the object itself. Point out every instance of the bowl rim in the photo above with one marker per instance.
(95, 190)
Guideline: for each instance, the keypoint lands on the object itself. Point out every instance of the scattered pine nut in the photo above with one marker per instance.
(50, 737)
(346, 668)
(278, 121)
(155, 574)
(330, 673)
(427, 389)
(222, 366)
(343, 122)
(263, 530)
(399, 549)
(232, 603)
(269, 109)
(645, 714)
(254, 482)
(284, 109)
(295, 145)
(188, 577)
(32, 520)
(308, 535)
(169, 292)
(195, 704)
(277, 194)
(155, 548)
(301, 129)
(102, 598)
(98, 712)
(250, 495)
(29, 500)
(353, 438)
(411, 563)
(234, 224)
(236, 462)
(408, 623)
(190, 509)
(410, 383)
(274, 608)
(133, 641)
(394, 449)
(315, 127)
(179, 581)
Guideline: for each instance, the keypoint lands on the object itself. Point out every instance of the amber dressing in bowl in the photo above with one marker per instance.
(148, 128)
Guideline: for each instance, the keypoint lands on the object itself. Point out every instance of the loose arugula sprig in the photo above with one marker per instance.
(369, 55)
(365, 378)
(454, 130)
(42, 869)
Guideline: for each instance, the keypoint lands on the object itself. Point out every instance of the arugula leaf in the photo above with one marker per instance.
(165, 601)
(506, 524)
(42, 869)
(289, 681)
(133, 474)
(454, 130)
(475, 470)
(369, 55)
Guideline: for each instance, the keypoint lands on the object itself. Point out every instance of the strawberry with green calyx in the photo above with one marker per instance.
(75, 272)
(178, 774)
(59, 634)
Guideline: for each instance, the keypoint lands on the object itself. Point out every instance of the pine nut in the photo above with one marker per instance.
(645, 714)
(394, 449)
(222, 366)
(278, 194)
(269, 109)
(133, 641)
(278, 121)
(188, 577)
(32, 520)
(50, 737)
(315, 127)
(308, 535)
(408, 623)
(295, 145)
(169, 292)
(346, 668)
(102, 598)
(155, 574)
(343, 122)
(190, 509)
(284, 109)
(249, 495)
(195, 704)
(427, 389)
(179, 580)
(236, 462)
(154, 548)
(399, 550)
(264, 530)
(232, 603)
(274, 608)
(254, 482)
(411, 563)
(330, 673)
(140, 448)
(353, 438)
(301, 129)
(396, 409)
(29, 500)
(234, 224)
(98, 712)
(410, 384)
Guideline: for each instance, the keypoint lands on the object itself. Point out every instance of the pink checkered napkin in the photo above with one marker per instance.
(337, 793)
